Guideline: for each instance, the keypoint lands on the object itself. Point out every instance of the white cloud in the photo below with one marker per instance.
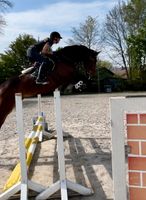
(60, 16)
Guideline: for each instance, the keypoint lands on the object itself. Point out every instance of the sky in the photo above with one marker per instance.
(40, 17)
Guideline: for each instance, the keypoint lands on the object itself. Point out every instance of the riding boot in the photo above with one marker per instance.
(42, 78)
(35, 72)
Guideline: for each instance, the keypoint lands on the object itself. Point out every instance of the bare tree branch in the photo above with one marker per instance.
(87, 34)
(4, 5)
(115, 34)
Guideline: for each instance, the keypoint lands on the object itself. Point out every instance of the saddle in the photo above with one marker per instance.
(34, 67)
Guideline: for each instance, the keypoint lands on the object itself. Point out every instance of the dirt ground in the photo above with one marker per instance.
(87, 144)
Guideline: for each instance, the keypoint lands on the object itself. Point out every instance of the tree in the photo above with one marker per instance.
(115, 35)
(105, 64)
(14, 60)
(123, 22)
(4, 4)
(135, 17)
(137, 49)
(87, 34)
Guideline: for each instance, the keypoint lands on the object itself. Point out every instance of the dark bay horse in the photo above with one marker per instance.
(64, 71)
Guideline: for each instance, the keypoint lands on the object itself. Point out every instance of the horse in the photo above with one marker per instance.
(66, 66)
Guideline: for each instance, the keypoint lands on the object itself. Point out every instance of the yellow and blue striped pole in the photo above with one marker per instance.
(30, 144)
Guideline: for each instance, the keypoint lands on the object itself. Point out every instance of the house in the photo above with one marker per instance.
(109, 80)
(120, 72)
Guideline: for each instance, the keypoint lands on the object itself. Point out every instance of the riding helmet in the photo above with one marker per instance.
(55, 34)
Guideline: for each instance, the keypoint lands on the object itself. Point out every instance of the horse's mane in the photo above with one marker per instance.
(71, 48)
(73, 52)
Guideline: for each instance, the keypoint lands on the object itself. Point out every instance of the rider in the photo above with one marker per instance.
(40, 53)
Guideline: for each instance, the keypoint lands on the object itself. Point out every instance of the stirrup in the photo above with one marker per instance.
(40, 82)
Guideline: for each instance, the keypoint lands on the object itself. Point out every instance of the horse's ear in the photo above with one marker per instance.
(97, 52)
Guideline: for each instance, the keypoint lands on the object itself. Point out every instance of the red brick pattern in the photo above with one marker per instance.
(134, 178)
(136, 138)
(132, 118)
(137, 193)
(143, 148)
(134, 147)
(143, 118)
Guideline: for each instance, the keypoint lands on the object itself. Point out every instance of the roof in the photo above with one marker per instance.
(121, 72)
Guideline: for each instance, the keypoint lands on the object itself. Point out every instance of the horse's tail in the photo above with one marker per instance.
(7, 97)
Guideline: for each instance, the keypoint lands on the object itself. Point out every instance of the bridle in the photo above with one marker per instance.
(90, 66)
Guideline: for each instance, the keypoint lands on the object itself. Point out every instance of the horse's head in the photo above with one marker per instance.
(90, 62)
(79, 53)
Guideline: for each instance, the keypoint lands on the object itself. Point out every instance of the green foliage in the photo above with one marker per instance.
(125, 34)
(14, 60)
(135, 15)
(137, 52)
(105, 64)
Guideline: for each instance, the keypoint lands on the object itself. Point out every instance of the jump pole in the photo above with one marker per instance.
(62, 184)
(25, 183)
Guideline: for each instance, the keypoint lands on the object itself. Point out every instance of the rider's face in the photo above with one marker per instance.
(56, 40)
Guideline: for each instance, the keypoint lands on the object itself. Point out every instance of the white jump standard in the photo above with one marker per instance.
(63, 184)
(24, 184)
